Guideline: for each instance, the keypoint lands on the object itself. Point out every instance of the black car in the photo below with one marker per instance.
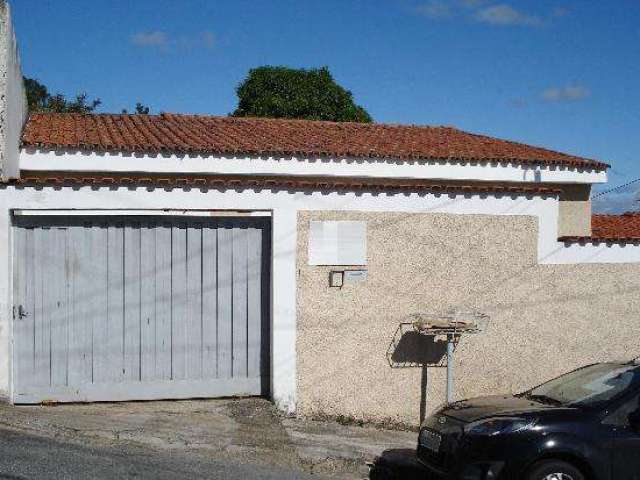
(584, 425)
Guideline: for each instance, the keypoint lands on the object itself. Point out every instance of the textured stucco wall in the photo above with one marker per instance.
(574, 214)
(546, 319)
(13, 104)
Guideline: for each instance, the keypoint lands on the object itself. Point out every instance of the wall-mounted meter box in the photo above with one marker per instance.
(355, 276)
(336, 278)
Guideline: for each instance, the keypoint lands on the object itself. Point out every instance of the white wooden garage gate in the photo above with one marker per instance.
(123, 308)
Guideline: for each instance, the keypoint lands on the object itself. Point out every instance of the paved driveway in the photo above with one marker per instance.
(230, 438)
(24, 456)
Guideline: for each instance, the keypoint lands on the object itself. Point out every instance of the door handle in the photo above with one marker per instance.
(21, 312)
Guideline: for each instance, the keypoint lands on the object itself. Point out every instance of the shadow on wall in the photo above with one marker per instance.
(413, 349)
(410, 349)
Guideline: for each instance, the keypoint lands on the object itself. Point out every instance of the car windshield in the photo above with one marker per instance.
(588, 386)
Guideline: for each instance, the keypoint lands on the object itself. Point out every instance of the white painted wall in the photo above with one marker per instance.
(283, 206)
(6, 295)
(605, 252)
(283, 309)
(38, 160)
(13, 103)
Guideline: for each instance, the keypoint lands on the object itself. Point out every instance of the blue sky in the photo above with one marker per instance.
(560, 74)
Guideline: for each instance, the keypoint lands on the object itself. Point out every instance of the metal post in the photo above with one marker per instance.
(450, 344)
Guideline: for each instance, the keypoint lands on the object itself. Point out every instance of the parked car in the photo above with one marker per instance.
(584, 425)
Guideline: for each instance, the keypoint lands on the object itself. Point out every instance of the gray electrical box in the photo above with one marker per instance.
(355, 276)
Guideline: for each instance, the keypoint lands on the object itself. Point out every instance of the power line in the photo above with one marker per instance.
(615, 188)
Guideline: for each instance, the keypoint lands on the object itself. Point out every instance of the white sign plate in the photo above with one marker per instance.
(337, 243)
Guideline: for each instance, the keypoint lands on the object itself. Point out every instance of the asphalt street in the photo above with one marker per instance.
(24, 456)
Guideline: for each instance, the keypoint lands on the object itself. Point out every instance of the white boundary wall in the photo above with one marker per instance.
(13, 103)
(283, 206)
(601, 252)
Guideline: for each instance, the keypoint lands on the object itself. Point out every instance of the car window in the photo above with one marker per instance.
(590, 386)
(620, 415)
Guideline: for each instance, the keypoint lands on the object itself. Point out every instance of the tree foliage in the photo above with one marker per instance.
(282, 92)
(40, 100)
(139, 109)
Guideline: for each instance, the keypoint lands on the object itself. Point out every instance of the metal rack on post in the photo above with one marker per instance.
(451, 326)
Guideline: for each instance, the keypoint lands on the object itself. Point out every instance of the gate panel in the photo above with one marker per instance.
(193, 327)
(114, 339)
(116, 308)
(254, 292)
(239, 293)
(57, 285)
(179, 303)
(132, 302)
(147, 303)
(225, 318)
(163, 302)
(80, 315)
(209, 302)
(42, 303)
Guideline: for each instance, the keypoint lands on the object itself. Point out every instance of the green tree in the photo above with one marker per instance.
(40, 100)
(281, 92)
(139, 109)
(37, 94)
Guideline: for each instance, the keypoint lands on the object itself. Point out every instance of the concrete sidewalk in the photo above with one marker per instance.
(245, 430)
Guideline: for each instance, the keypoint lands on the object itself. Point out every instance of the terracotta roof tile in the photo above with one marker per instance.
(623, 228)
(625, 225)
(185, 134)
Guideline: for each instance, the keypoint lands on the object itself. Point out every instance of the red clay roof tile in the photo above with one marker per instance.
(626, 225)
(252, 136)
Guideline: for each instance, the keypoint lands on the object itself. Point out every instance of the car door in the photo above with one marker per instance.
(624, 440)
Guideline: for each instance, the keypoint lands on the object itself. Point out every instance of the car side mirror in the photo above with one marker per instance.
(634, 420)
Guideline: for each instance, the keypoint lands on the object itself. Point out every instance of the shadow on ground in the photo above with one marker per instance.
(398, 464)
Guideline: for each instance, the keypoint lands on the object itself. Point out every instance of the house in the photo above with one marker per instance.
(180, 256)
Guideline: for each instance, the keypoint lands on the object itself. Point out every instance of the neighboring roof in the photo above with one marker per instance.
(612, 228)
(626, 225)
(30, 178)
(185, 134)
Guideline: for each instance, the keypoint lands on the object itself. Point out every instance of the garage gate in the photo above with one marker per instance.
(136, 308)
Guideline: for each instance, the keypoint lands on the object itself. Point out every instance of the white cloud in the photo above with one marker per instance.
(208, 39)
(617, 202)
(165, 43)
(560, 12)
(150, 39)
(622, 198)
(518, 103)
(435, 9)
(571, 93)
(485, 11)
(505, 15)
(472, 3)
